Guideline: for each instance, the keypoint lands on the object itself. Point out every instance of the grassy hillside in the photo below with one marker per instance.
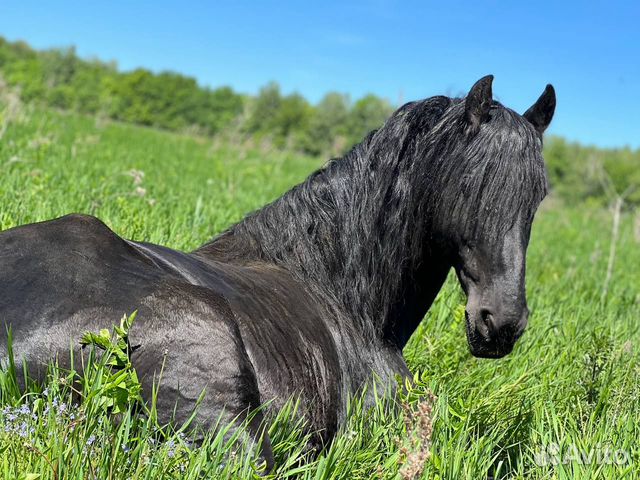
(572, 379)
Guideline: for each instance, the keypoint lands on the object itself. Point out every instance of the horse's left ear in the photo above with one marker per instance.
(541, 112)
(478, 102)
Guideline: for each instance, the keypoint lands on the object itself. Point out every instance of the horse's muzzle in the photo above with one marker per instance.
(489, 338)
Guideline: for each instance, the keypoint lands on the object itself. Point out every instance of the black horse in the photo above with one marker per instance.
(316, 292)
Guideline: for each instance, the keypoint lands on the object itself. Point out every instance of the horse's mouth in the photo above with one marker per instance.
(481, 347)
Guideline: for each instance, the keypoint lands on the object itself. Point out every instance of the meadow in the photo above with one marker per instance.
(564, 405)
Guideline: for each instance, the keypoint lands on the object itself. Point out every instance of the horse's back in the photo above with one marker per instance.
(85, 233)
(58, 267)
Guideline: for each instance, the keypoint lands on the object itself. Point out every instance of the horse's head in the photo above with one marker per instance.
(506, 184)
(494, 184)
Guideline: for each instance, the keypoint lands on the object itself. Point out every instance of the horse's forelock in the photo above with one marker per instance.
(486, 180)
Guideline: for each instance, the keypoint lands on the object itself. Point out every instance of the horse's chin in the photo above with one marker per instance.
(487, 353)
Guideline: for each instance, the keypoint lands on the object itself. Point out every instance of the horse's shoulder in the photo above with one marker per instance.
(192, 322)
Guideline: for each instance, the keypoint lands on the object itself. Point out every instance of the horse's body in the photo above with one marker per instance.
(309, 296)
(206, 320)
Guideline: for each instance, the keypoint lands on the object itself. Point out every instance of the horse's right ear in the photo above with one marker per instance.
(478, 102)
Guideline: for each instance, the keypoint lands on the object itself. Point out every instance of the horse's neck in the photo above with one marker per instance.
(340, 236)
(417, 296)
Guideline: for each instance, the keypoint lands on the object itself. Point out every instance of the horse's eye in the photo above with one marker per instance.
(474, 278)
(468, 276)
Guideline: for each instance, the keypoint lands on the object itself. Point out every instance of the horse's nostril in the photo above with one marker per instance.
(487, 319)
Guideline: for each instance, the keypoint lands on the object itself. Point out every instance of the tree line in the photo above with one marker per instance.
(59, 78)
(168, 100)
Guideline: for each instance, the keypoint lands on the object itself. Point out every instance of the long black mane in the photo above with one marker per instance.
(359, 229)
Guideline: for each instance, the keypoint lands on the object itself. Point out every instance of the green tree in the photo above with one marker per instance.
(291, 124)
(367, 114)
(264, 109)
(329, 125)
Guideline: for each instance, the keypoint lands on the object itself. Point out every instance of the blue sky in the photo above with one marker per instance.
(590, 51)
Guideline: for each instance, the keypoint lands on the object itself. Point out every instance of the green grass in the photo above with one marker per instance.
(572, 379)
